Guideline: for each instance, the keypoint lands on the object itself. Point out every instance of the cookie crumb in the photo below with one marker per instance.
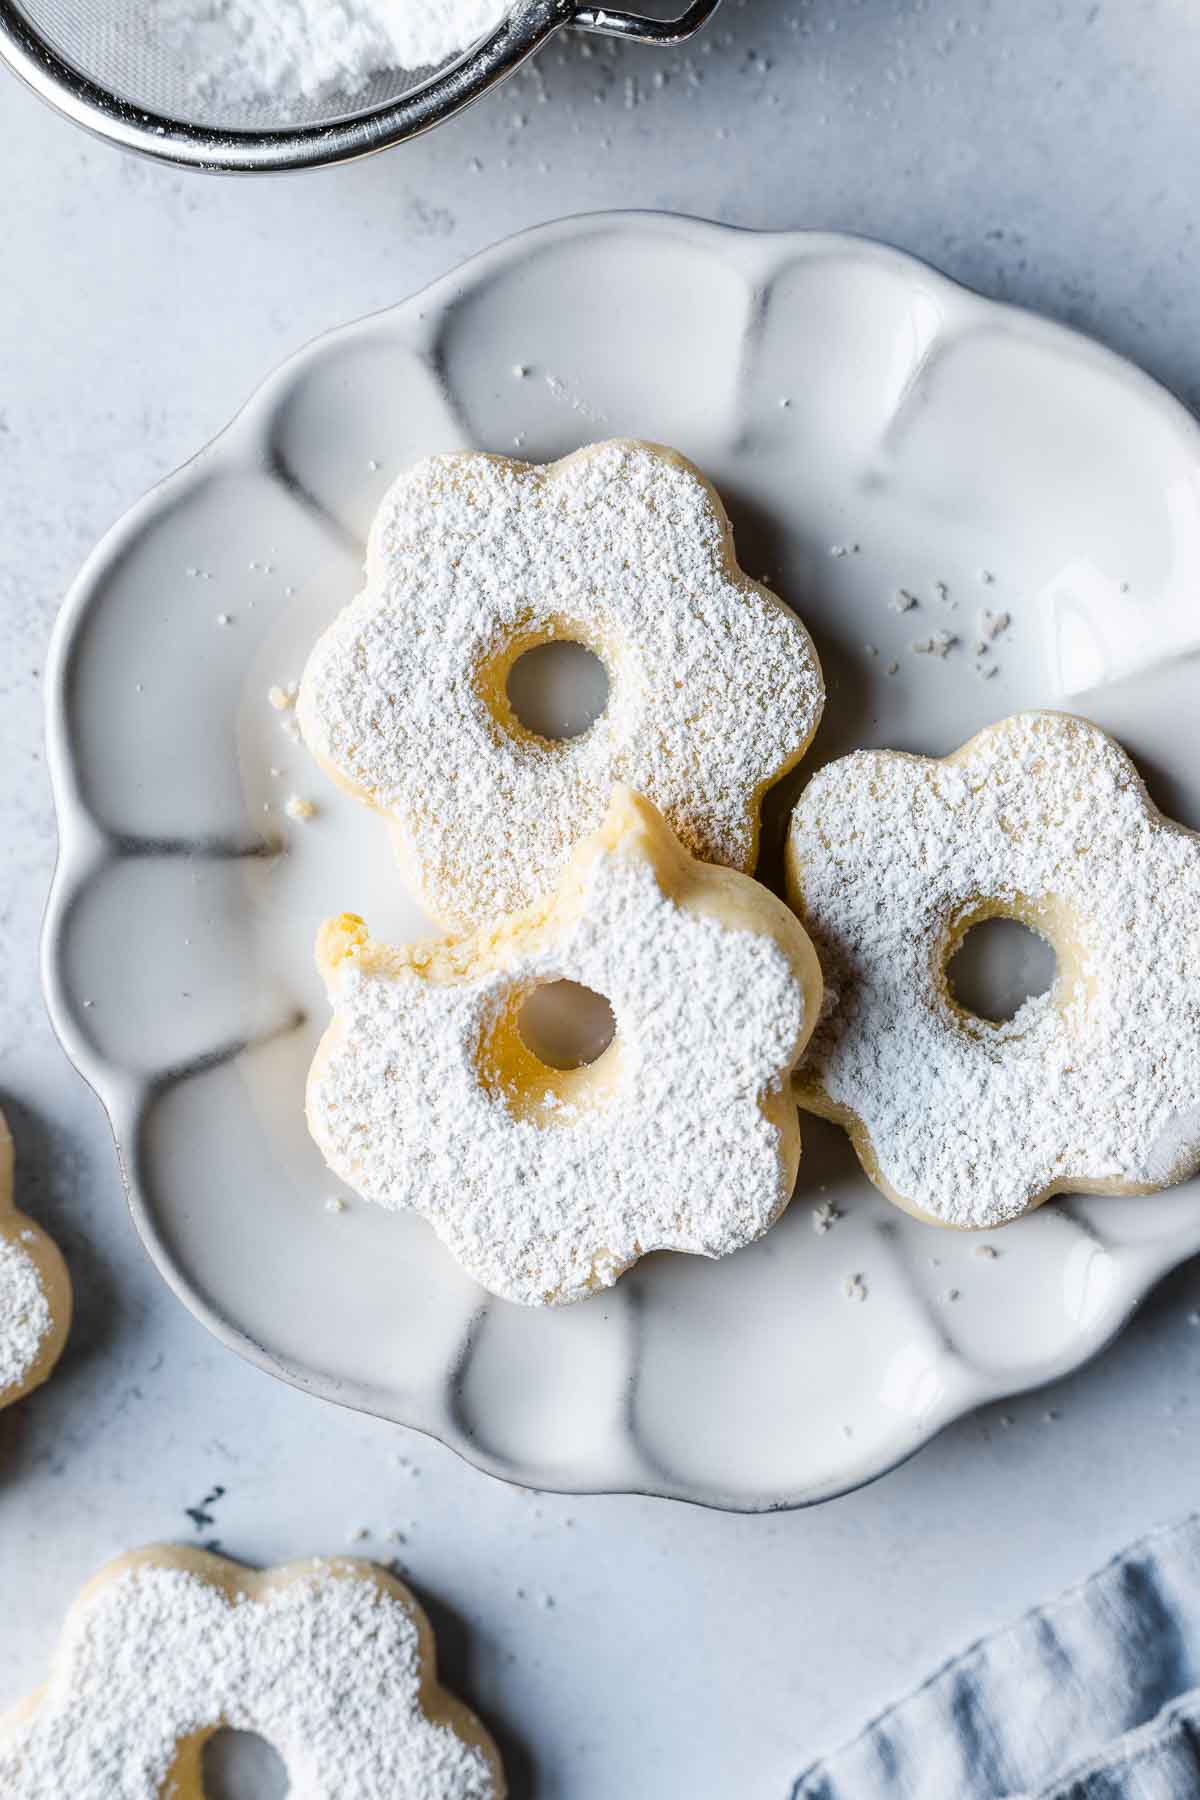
(893, 668)
(283, 698)
(224, 618)
(952, 1294)
(854, 1288)
(871, 649)
(986, 1252)
(298, 808)
(335, 1204)
(986, 576)
(902, 601)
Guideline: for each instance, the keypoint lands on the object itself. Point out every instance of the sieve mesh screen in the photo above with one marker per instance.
(135, 50)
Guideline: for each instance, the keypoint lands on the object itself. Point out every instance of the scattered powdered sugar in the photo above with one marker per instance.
(938, 644)
(714, 690)
(255, 52)
(327, 1668)
(1096, 1082)
(544, 1197)
(25, 1318)
(824, 1217)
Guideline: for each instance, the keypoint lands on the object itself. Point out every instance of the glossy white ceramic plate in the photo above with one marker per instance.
(872, 427)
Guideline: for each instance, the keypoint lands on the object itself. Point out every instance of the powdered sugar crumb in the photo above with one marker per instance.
(939, 644)
(824, 1217)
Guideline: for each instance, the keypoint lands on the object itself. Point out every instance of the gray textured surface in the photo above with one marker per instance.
(1043, 152)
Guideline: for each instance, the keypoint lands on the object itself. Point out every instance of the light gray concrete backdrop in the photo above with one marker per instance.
(1044, 151)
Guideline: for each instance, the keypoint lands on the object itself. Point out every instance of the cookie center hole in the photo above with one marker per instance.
(998, 966)
(558, 690)
(566, 1026)
(240, 1765)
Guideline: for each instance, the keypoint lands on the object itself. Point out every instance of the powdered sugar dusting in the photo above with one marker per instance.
(1096, 1083)
(25, 1319)
(326, 1668)
(714, 686)
(543, 1199)
(255, 52)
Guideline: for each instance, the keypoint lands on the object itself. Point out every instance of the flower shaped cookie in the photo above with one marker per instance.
(1094, 1086)
(35, 1292)
(547, 1183)
(714, 686)
(331, 1662)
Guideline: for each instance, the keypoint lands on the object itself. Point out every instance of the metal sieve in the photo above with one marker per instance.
(102, 64)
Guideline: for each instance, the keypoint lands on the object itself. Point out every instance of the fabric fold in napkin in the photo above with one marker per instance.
(1093, 1697)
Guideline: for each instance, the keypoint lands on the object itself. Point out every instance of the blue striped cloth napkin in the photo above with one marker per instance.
(1094, 1697)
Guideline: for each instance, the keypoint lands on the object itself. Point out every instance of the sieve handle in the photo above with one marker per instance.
(641, 30)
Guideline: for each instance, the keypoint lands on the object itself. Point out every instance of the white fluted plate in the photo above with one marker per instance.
(872, 427)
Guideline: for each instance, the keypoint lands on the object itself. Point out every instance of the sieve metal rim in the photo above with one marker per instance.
(525, 29)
